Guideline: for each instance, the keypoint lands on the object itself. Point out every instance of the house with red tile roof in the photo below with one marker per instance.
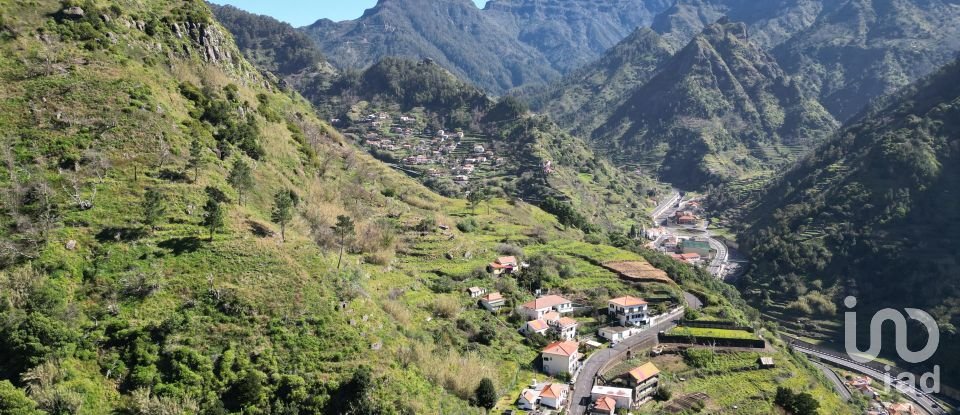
(604, 405)
(538, 308)
(644, 380)
(561, 358)
(504, 265)
(629, 311)
(493, 301)
(554, 395)
(604, 396)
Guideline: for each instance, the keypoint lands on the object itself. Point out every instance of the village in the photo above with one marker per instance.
(414, 148)
(596, 372)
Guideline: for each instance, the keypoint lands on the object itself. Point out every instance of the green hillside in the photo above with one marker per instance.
(872, 213)
(717, 110)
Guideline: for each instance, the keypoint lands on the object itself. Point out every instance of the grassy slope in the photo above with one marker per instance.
(277, 308)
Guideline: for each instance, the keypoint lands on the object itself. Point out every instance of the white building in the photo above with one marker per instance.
(622, 396)
(629, 311)
(561, 358)
(617, 334)
(538, 308)
(493, 301)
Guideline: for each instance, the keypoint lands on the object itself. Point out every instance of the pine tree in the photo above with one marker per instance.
(153, 208)
(282, 211)
(196, 158)
(486, 394)
(213, 216)
(241, 178)
(344, 228)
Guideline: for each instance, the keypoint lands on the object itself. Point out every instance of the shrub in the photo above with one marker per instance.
(511, 250)
(467, 225)
(446, 307)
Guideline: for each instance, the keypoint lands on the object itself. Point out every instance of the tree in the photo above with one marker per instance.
(241, 178)
(475, 197)
(246, 392)
(14, 402)
(196, 158)
(282, 211)
(153, 208)
(213, 216)
(486, 394)
(344, 228)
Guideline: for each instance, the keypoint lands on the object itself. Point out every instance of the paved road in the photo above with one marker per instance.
(665, 206)
(835, 380)
(580, 397)
(918, 397)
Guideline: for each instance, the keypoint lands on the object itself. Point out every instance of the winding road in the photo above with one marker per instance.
(925, 403)
(580, 395)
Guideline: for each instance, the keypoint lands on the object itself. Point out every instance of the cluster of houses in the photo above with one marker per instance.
(550, 316)
(436, 153)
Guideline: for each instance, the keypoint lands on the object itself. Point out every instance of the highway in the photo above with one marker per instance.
(925, 403)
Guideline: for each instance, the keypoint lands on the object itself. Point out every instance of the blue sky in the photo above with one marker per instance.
(305, 12)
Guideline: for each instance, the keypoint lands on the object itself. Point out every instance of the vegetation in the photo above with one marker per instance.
(849, 217)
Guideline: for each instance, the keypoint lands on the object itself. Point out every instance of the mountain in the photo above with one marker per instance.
(581, 99)
(573, 33)
(718, 108)
(454, 33)
(770, 22)
(402, 87)
(508, 44)
(846, 52)
(871, 213)
(869, 48)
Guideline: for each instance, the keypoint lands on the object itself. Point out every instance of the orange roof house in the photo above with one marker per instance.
(644, 373)
(628, 301)
(567, 348)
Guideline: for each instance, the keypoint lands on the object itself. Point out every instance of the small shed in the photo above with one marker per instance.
(766, 362)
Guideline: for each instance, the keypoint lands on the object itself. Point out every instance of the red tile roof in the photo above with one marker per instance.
(553, 390)
(537, 325)
(545, 302)
(644, 372)
(606, 403)
(628, 301)
(567, 348)
(492, 297)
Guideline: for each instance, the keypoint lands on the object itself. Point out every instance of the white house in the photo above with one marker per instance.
(554, 395)
(551, 395)
(536, 326)
(537, 308)
(617, 334)
(565, 327)
(629, 311)
(476, 292)
(561, 358)
(622, 396)
(528, 399)
(493, 301)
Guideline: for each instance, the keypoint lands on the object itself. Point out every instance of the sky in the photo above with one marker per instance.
(304, 12)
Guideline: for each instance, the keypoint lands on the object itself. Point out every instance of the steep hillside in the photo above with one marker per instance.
(580, 100)
(438, 100)
(717, 109)
(770, 22)
(869, 48)
(454, 33)
(572, 33)
(872, 213)
(143, 270)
